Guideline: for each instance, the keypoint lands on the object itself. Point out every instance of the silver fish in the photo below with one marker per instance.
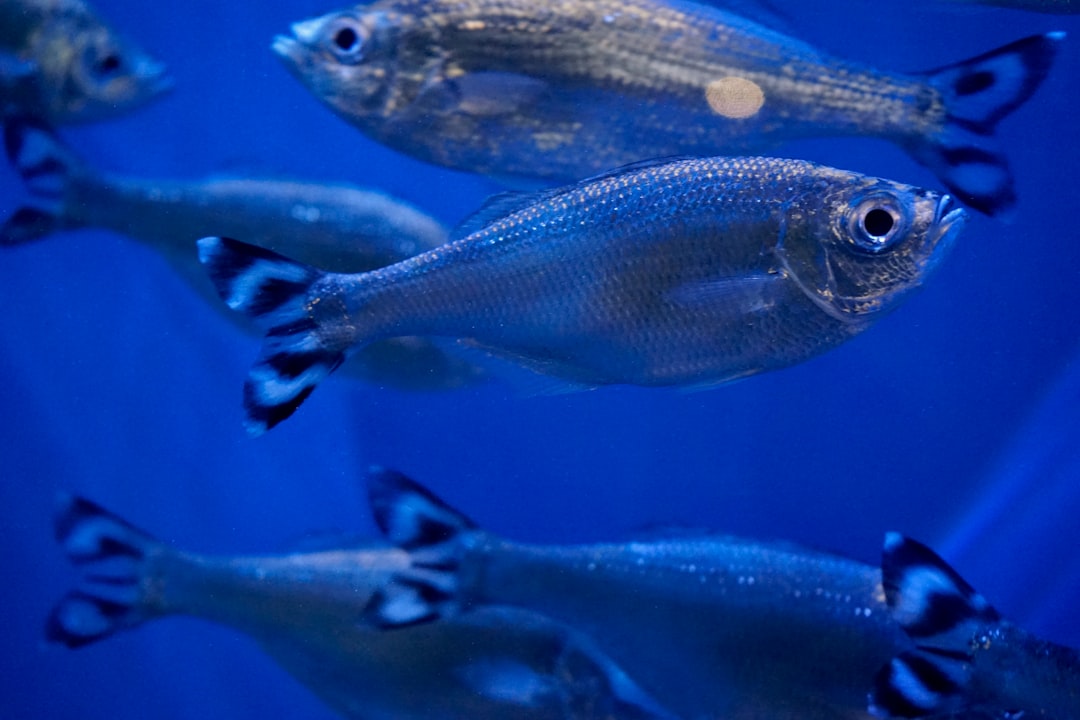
(684, 272)
(303, 607)
(748, 630)
(59, 61)
(339, 227)
(562, 89)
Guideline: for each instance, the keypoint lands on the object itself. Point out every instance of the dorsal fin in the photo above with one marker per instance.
(507, 203)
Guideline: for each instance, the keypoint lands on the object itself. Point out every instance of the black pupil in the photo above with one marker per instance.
(878, 222)
(346, 39)
(109, 64)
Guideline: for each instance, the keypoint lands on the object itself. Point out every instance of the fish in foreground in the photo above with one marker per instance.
(339, 227)
(563, 89)
(748, 629)
(302, 609)
(684, 272)
(59, 61)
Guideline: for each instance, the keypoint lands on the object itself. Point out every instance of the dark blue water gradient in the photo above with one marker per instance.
(120, 385)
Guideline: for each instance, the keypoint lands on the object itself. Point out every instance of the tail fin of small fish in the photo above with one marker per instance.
(273, 291)
(46, 166)
(112, 556)
(413, 518)
(941, 613)
(977, 94)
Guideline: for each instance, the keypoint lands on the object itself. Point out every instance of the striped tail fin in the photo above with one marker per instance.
(112, 556)
(433, 532)
(977, 94)
(941, 613)
(273, 291)
(46, 166)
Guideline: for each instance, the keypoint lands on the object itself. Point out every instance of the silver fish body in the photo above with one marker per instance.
(685, 272)
(63, 64)
(335, 226)
(734, 628)
(562, 89)
(710, 626)
(302, 608)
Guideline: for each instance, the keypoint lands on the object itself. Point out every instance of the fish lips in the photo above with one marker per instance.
(949, 219)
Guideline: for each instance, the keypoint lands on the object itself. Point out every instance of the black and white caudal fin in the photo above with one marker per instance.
(941, 613)
(46, 166)
(111, 555)
(413, 518)
(273, 291)
(977, 94)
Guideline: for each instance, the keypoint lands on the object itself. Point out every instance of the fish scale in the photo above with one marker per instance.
(688, 272)
(560, 90)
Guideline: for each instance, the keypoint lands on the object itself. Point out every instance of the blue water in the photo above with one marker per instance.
(956, 420)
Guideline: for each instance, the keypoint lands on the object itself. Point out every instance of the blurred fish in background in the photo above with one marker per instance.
(337, 227)
(688, 272)
(303, 610)
(764, 630)
(60, 62)
(1053, 7)
(560, 90)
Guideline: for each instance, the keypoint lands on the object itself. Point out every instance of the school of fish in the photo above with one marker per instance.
(660, 251)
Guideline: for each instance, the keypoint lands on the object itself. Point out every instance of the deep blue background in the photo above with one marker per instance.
(955, 420)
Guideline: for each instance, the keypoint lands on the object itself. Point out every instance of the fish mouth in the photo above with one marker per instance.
(286, 47)
(949, 220)
(156, 76)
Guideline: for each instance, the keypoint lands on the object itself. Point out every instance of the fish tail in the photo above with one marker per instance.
(940, 612)
(46, 166)
(434, 533)
(977, 94)
(273, 291)
(113, 557)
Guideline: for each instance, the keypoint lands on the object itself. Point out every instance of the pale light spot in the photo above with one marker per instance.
(734, 97)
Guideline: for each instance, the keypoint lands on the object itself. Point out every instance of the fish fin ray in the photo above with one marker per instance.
(756, 292)
(433, 532)
(112, 555)
(273, 291)
(978, 93)
(46, 167)
(941, 613)
(504, 204)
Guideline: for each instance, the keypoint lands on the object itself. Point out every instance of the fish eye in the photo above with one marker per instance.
(876, 223)
(108, 64)
(346, 40)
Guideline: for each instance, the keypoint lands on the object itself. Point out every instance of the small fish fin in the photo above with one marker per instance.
(528, 376)
(926, 597)
(46, 166)
(494, 93)
(941, 613)
(763, 12)
(920, 684)
(507, 680)
(756, 292)
(413, 518)
(273, 291)
(111, 554)
(497, 207)
(507, 203)
(977, 94)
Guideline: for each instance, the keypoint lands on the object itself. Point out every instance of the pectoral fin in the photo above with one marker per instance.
(755, 292)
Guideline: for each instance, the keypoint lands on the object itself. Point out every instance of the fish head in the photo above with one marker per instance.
(346, 59)
(104, 75)
(857, 246)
